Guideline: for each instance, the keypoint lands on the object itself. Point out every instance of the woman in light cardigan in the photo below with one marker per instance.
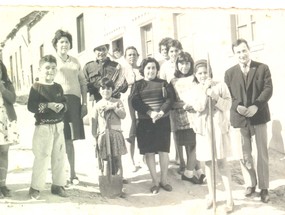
(70, 76)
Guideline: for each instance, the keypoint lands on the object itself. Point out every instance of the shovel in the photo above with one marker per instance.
(110, 185)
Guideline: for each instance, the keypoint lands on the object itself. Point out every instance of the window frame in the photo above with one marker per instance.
(147, 40)
(80, 33)
(248, 24)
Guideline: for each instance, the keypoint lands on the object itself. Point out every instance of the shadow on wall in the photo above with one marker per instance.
(276, 141)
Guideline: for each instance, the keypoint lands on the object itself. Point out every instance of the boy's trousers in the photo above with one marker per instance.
(48, 149)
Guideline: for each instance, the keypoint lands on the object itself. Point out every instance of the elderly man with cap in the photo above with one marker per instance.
(102, 67)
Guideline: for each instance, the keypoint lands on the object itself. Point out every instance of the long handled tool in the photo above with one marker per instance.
(109, 156)
(111, 185)
(212, 143)
(213, 153)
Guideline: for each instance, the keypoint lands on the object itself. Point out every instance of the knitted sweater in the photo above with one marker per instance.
(70, 76)
(39, 97)
(99, 116)
(154, 95)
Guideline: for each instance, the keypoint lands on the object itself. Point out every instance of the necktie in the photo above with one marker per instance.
(244, 68)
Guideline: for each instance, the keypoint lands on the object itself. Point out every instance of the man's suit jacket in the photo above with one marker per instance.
(257, 90)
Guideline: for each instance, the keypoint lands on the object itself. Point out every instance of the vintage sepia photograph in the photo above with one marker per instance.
(128, 109)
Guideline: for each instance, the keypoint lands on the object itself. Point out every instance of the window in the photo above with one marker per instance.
(20, 56)
(41, 50)
(118, 44)
(186, 35)
(32, 74)
(17, 70)
(11, 69)
(243, 26)
(80, 34)
(147, 40)
(180, 21)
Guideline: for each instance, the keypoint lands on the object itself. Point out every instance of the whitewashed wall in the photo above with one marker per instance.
(201, 32)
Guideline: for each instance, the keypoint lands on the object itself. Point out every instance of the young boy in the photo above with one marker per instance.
(47, 102)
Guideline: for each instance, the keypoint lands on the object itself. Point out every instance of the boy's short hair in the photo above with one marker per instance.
(107, 83)
(47, 58)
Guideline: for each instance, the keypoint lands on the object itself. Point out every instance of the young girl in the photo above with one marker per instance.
(221, 103)
(109, 110)
(163, 49)
(184, 133)
(174, 47)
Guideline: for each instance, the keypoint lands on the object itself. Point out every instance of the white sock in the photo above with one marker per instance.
(199, 172)
(189, 173)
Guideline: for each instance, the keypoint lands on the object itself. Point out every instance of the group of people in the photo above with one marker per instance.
(146, 103)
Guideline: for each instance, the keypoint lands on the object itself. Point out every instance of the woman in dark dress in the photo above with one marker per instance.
(152, 99)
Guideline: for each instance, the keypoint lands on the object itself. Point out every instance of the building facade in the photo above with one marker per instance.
(201, 32)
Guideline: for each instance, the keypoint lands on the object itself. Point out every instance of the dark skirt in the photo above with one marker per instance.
(186, 137)
(73, 123)
(153, 137)
(117, 144)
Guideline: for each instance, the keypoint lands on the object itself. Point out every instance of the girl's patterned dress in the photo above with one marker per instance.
(8, 130)
(113, 117)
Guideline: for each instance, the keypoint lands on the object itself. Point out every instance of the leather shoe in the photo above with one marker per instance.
(5, 191)
(249, 191)
(202, 178)
(154, 189)
(264, 195)
(194, 179)
(58, 190)
(34, 194)
(166, 187)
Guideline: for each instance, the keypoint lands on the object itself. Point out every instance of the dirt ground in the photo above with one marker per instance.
(85, 198)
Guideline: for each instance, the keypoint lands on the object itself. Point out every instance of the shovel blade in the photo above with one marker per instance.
(110, 187)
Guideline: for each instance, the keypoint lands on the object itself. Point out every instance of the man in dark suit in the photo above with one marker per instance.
(251, 87)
